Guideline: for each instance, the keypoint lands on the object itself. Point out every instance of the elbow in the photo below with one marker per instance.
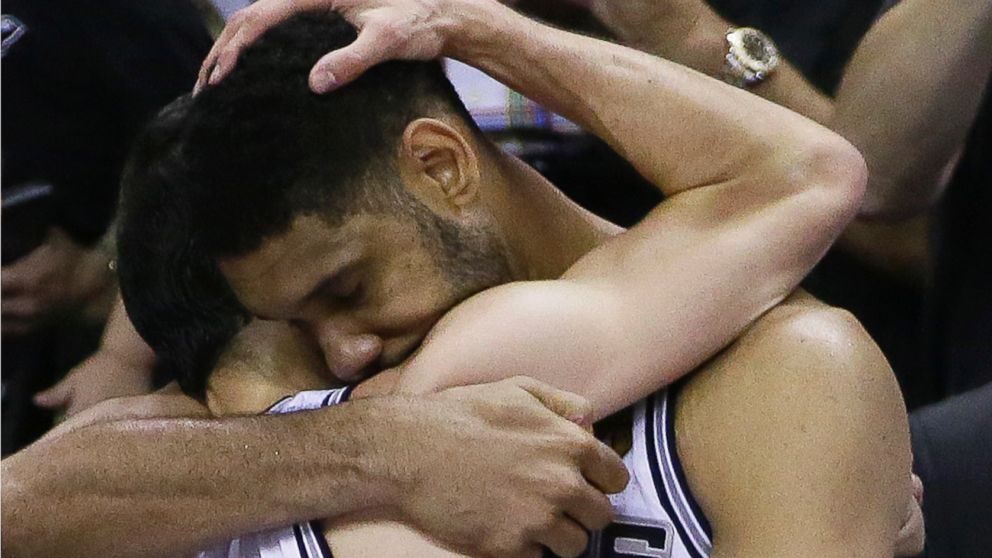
(838, 174)
(828, 179)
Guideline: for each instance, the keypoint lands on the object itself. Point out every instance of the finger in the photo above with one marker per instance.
(13, 280)
(247, 24)
(16, 327)
(55, 397)
(912, 536)
(563, 403)
(233, 26)
(589, 507)
(344, 65)
(918, 489)
(20, 309)
(603, 468)
(565, 538)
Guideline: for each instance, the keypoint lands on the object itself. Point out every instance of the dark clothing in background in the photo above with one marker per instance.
(952, 454)
(818, 37)
(77, 87)
(959, 329)
(80, 79)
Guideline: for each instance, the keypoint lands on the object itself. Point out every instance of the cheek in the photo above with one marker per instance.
(417, 297)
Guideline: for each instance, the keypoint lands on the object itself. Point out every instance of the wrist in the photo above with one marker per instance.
(367, 445)
(696, 40)
(475, 29)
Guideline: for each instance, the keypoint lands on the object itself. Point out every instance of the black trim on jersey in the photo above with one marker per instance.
(342, 394)
(317, 526)
(304, 553)
(659, 483)
(673, 394)
(327, 400)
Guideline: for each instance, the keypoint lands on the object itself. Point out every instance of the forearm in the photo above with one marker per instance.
(697, 38)
(659, 115)
(164, 487)
(909, 96)
(906, 101)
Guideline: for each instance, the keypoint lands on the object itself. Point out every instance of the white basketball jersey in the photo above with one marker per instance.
(656, 515)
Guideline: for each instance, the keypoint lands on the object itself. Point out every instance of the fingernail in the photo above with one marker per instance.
(214, 75)
(323, 81)
(578, 419)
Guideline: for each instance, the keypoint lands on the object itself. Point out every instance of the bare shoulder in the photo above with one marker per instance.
(810, 327)
(798, 427)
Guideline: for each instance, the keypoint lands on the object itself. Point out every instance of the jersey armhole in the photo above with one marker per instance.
(668, 475)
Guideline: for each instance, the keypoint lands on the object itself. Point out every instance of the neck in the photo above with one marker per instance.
(545, 232)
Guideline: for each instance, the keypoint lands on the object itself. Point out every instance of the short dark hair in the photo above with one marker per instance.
(265, 148)
(174, 293)
(213, 176)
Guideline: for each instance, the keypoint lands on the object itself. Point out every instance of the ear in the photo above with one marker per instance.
(439, 166)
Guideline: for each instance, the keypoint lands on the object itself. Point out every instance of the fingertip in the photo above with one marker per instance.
(215, 75)
(42, 399)
(322, 80)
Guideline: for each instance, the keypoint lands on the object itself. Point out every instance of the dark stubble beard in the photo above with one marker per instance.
(472, 259)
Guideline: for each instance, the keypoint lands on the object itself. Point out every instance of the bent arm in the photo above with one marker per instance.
(753, 203)
(907, 99)
(909, 96)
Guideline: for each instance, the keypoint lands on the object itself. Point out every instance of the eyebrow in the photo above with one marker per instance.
(313, 293)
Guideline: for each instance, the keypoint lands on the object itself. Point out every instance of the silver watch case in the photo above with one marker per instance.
(751, 56)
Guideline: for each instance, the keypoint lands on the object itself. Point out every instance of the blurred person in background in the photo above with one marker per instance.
(915, 266)
(79, 82)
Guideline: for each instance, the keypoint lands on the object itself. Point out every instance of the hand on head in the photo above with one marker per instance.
(387, 30)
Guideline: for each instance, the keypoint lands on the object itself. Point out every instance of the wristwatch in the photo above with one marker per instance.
(751, 57)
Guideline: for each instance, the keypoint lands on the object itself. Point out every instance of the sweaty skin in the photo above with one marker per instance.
(794, 439)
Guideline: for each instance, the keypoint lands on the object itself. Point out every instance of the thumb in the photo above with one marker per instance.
(344, 65)
(55, 397)
(563, 403)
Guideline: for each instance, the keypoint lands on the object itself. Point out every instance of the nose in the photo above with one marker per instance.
(349, 354)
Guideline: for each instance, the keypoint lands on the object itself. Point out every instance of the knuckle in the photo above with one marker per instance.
(390, 31)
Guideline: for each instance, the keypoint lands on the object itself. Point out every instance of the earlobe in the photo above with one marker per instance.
(440, 165)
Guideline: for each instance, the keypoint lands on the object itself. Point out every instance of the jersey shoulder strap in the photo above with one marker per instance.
(669, 477)
(308, 400)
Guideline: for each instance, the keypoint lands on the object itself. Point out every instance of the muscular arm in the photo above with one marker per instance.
(154, 476)
(907, 97)
(186, 489)
(795, 441)
(752, 205)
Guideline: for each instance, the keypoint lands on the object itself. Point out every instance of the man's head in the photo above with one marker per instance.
(357, 215)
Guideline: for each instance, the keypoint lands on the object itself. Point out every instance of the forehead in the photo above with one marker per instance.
(286, 266)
